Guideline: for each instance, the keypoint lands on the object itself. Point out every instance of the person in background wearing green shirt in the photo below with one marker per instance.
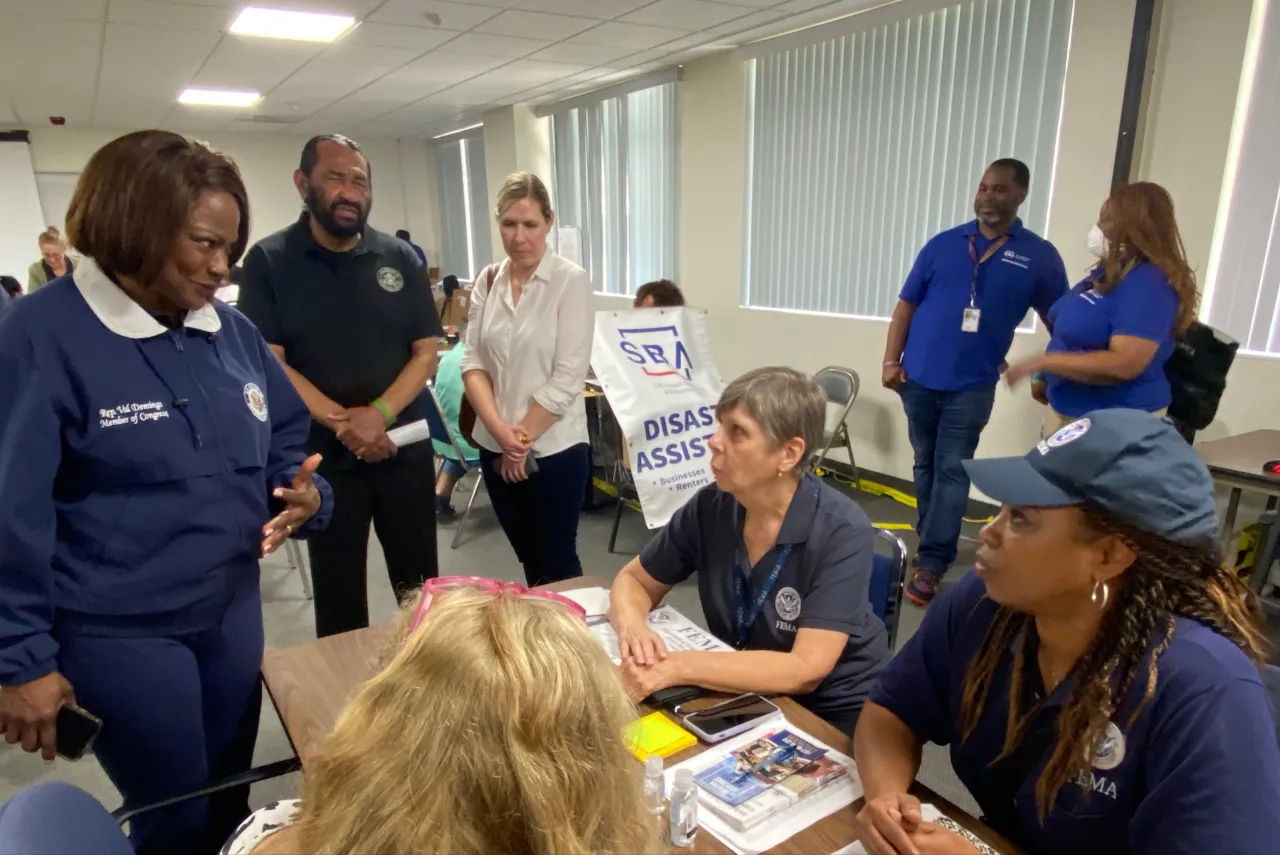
(448, 388)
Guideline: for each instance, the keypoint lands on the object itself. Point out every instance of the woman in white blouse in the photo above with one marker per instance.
(528, 349)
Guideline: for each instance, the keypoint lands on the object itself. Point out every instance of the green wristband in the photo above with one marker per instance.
(381, 406)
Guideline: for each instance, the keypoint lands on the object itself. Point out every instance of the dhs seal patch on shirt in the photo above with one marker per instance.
(1110, 752)
(390, 279)
(787, 604)
(256, 401)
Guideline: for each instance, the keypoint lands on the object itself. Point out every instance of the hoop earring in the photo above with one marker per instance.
(1106, 593)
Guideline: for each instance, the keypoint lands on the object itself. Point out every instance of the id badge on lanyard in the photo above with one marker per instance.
(748, 615)
(973, 315)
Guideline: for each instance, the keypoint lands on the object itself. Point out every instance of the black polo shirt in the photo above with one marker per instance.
(347, 320)
(825, 583)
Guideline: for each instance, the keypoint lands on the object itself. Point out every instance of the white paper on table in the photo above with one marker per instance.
(677, 631)
(784, 825)
(594, 600)
(408, 434)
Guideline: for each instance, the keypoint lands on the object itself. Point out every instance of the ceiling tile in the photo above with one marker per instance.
(536, 25)
(687, 14)
(27, 40)
(240, 61)
(182, 117)
(296, 100)
(248, 126)
(602, 9)
(173, 56)
(581, 54)
(350, 65)
(54, 10)
(433, 13)
(160, 14)
(755, 4)
(485, 44)
(634, 36)
(634, 59)
(741, 25)
(690, 41)
(440, 69)
(802, 5)
(531, 72)
(390, 35)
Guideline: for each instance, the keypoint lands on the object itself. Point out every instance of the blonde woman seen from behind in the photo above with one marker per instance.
(495, 726)
(528, 350)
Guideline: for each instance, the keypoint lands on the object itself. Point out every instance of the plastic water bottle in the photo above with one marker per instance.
(654, 797)
(684, 809)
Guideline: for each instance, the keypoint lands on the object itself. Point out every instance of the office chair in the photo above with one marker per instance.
(442, 432)
(888, 580)
(624, 483)
(840, 385)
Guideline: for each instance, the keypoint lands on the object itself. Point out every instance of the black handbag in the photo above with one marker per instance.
(1197, 371)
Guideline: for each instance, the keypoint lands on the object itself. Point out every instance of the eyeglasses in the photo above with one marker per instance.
(432, 587)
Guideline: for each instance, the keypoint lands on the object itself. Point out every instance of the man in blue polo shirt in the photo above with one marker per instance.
(966, 294)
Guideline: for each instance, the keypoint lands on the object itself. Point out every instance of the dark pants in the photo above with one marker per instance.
(399, 498)
(176, 712)
(540, 515)
(944, 429)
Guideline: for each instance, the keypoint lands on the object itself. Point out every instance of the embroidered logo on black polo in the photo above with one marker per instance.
(1110, 753)
(390, 279)
(787, 604)
(256, 401)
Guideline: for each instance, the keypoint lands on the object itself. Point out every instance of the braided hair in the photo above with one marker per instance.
(1166, 580)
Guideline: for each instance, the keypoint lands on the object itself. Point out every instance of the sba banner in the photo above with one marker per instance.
(656, 370)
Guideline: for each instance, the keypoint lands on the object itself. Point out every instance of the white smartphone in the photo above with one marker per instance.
(731, 717)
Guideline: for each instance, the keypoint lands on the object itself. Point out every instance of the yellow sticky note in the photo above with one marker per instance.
(655, 734)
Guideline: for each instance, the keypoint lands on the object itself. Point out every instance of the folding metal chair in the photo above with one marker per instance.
(441, 431)
(624, 484)
(298, 561)
(840, 385)
(888, 581)
(265, 772)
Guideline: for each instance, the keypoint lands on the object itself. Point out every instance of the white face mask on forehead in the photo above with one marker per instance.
(1098, 243)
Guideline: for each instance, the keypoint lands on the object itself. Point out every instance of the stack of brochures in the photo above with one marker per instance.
(767, 776)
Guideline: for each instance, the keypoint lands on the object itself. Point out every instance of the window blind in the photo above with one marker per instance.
(1242, 291)
(865, 145)
(616, 180)
(465, 210)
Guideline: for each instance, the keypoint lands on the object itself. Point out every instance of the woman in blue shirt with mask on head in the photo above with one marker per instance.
(151, 450)
(1096, 676)
(1113, 333)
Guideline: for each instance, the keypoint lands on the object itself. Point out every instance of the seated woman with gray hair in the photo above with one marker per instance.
(783, 563)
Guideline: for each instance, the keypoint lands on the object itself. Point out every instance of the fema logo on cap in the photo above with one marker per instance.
(787, 604)
(1110, 753)
(1068, 434)
(256, 401)
(390, 279)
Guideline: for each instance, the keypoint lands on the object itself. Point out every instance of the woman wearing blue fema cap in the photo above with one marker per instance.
(1096, 676)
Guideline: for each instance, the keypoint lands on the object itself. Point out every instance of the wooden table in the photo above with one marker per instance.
(1236, 462)
(310, 684)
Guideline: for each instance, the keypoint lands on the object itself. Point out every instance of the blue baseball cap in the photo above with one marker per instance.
(1128, 461)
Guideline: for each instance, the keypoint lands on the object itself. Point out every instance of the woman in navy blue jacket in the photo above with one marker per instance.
(150, 453)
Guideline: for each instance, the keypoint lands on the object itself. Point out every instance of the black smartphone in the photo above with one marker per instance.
(734, 716)
(530, 465)
(76, 731)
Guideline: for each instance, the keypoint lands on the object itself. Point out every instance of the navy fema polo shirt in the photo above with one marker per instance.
(1025, 273)
(828, 573)
(1198, 772)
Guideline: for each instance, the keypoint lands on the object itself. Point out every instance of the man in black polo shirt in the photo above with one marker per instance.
(348, 311)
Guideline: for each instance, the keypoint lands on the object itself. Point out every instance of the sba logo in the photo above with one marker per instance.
(657, 350)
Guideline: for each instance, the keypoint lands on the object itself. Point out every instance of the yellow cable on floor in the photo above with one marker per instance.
(875, 489)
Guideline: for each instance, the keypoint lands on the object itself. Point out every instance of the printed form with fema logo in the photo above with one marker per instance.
(657, 373)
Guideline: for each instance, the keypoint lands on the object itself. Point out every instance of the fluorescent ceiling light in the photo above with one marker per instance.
(296, 26)
(219, 98)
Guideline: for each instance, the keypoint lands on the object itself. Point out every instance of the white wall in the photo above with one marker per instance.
(515, 140)
(403, 186)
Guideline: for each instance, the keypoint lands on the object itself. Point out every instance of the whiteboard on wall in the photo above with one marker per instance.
(21, 217)
(55, 189)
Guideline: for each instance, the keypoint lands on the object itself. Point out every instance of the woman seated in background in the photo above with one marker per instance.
(496, 725)
(783, 564)
(661, 294)
(448, 389)
(1096, 676)
(1113, 332)
(53, 261)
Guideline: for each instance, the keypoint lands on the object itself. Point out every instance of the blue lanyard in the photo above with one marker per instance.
(747, 618)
